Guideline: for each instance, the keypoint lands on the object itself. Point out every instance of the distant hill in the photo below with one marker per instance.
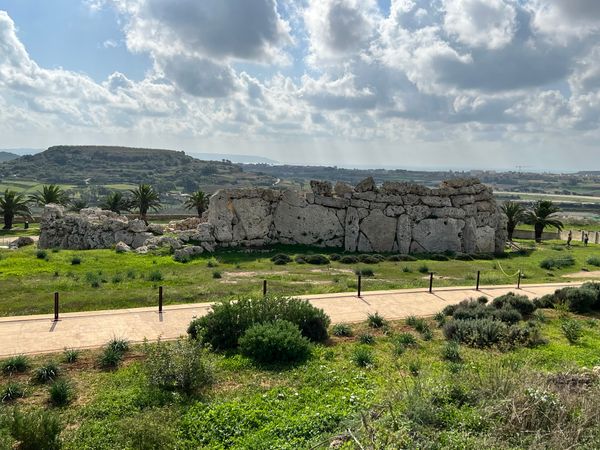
(7, 156)
(102, 165)
(239, 159)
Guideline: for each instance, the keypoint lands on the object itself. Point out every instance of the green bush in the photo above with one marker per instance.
(363, 356)
(594, 261)
(15, 364)
(423, 269)
(61, 393)
(75, 260)
(155, 276)
(41, 254)
(451, 352)
(316, 259)
(507, 315)
(113, 353)
(119, 344)
(371, 259)
(35, 430)
(11, 392)
(341, 330)
(478, 333)
(519, 302)
(151, 430)
(70, 355)
(398, 258)
(216, 274)
(228, 320)
(178, 366)
(406, 339)
(375, 320)
(349, 259)
(212, 262)
(275, 342)
(366, 338)
(335, 257)
(572, 330)
(438, 257)
(579, 300)
(557, 263)
(46, 373)
(281, 259)
(365, 272)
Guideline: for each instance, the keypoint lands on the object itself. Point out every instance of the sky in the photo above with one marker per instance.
(487, 84)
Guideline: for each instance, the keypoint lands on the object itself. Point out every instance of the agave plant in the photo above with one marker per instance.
(144, 199)
(12, 204)
(198, 201)
(540, 216)
(514, 212)
(51, 193)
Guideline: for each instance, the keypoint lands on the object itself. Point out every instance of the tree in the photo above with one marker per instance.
(50, 194)
(540, 216)
(198, 201)
(144, 199)
(78, 205)
(116, 202)
(12, 204)
(514, 212)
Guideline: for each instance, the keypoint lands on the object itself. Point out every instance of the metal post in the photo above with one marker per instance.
(359, 283)
(56, 306)
(160, 299)
(264, 288)
(519, 282)
(431, 282)
(478, 278)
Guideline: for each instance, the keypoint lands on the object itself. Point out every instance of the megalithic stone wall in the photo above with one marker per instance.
(460, 215)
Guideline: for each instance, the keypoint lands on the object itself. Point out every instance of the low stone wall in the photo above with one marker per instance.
(459, 215)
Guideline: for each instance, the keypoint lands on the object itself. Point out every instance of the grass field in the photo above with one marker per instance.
(107, 280)
(415, 399)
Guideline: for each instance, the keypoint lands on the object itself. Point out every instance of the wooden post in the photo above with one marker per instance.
(430, 282)
(359, 284)
(478, 278)
(56, 306)
(160, 299)
(264, 288)
(519, 281)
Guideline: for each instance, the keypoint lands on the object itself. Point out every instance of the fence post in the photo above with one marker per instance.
(56, 306)
(478, 278)
(359, 284)
(519, 281)
(264, 288)
(430, 282)
(160, 299)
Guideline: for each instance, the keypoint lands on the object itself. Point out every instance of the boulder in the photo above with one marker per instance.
(22, 241)
(379, 230)
(122, 247)
(342, 189)
(320, 187)
(437, 235)
(311, 225)
(366, 185)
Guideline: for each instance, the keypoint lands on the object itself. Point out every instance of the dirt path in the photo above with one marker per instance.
(40, 334)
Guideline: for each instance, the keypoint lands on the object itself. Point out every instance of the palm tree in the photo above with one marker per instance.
(540, 216)
(78, 205)
(11, 205)
(50, 194)
(144, 199)
(198, 201)
(514, 212)
(116, 202)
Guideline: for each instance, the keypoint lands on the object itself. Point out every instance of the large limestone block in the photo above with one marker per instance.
(220, 215)
(379, 230)
(404, 234)
(352, 229)
(311, 225)
(469, 237)
(320, 187)
(437, 235)
(486, 239)
(254, 218)
(366, 185)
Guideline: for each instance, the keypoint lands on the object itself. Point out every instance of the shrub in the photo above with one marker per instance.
(406, 269)
(414, 367)
(594, 261)
(363, 356)
(519, 302)
(316, 259)
(112, 355)
(35, 430)
(275, 342)
(93, 279)
(75, 260)
(438, 257)
(119, 344)
(228, 320)
(365, 272)
(557, 263)
(479, 333)
(335, 257)
(463, 257)
(71, 355)
(370, 259)
(117, 278)
(212, 262)
(572, 330)
(406, 339)
(375, 320)
(547, 301)
(216, 274)
(349, 259)
(46, 373)
(15, 364)
(150, 430)
(11, 392)
(423, 269)
(451, 352)
(341, 330)
(300, 259)
(41, 254)
(579, 300)
(528, 336)
(427, 334)
(281, 259)
(398, 258)
(178, 366)
(61, 393)
(440, 318)
(366, 338)
(155, 276)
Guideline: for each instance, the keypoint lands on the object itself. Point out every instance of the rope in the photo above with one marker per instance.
(504, 272)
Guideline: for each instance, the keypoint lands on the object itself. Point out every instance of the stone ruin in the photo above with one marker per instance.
(460, 215)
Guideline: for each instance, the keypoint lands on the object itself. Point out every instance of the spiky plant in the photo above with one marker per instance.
(541, 216)
(144, 199)
(51, 193)
(12, 204)
(198, 201)
(514, 212)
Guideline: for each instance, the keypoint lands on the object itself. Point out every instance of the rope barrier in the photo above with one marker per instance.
(504, 272)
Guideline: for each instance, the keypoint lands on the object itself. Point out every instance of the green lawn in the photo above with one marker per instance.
(415, 399)
(107, 280)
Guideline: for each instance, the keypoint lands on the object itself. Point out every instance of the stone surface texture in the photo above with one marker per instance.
(460, 215)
